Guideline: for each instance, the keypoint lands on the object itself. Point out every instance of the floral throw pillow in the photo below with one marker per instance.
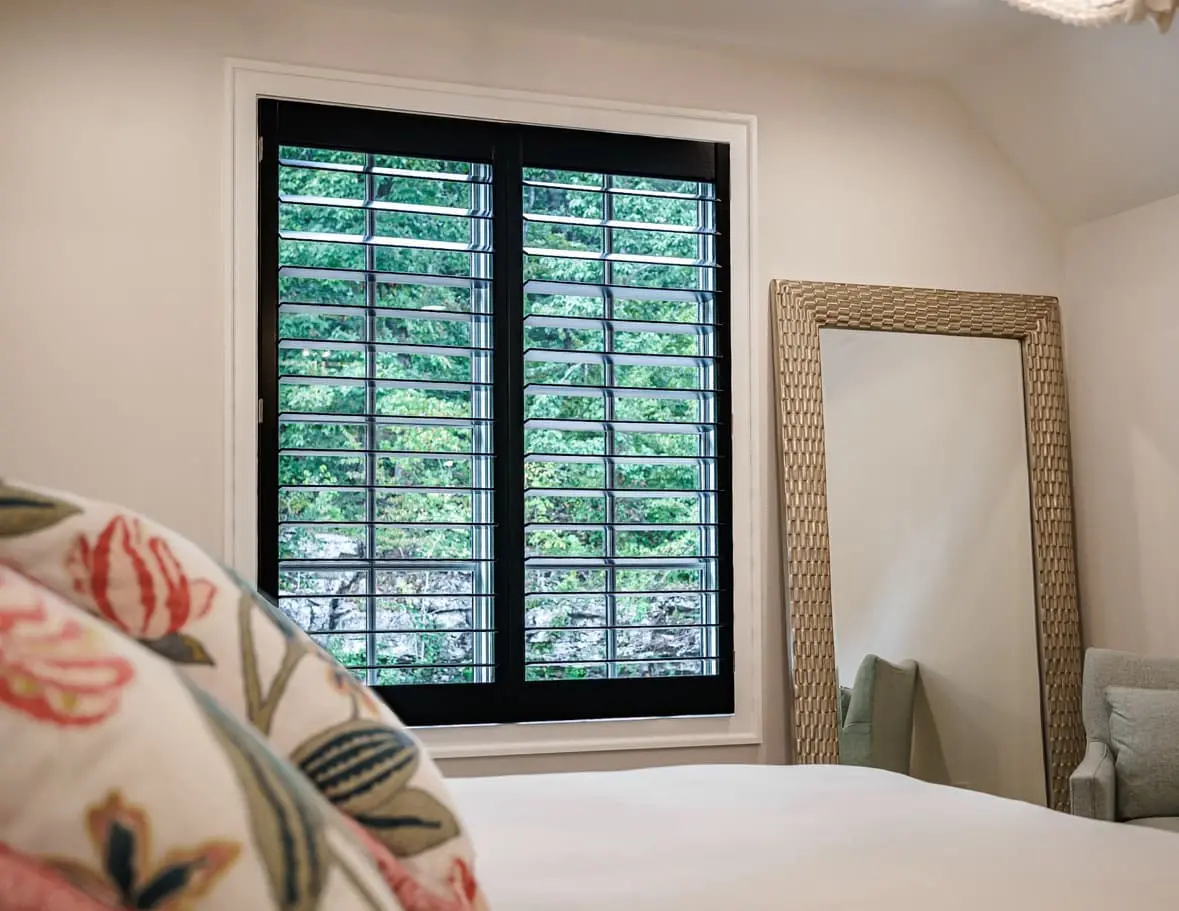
(126, 787)
(174, 599)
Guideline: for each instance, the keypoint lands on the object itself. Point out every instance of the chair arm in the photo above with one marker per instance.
(1092, 787)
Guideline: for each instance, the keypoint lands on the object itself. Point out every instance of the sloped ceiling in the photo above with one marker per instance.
(1090, 118)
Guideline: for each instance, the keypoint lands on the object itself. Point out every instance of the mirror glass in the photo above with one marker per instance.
(933, 588)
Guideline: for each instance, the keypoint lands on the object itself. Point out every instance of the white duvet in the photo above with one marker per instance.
(745, 838)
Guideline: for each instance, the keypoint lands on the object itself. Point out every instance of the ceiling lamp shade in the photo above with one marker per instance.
(1103, 12)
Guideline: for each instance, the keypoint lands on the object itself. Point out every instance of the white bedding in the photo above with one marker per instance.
(744, 838)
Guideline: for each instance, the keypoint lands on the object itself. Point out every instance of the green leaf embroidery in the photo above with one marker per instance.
(360, 766)
(23, 512)
(286, 823)
(364, 769)
(180, 648)
(164, 886)
(121, 834)
(120, 859)
(412, 822)
(260, 709)
(287, 627)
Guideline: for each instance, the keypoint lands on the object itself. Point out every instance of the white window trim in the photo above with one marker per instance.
(246, 82)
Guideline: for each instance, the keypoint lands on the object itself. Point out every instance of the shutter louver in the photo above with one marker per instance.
(620, 427)
(385, 385)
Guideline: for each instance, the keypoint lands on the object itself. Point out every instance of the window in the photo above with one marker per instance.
(494, 419)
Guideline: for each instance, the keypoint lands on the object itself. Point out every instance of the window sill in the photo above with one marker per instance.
(555, 737)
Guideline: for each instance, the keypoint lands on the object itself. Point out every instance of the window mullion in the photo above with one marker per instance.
(507, 264)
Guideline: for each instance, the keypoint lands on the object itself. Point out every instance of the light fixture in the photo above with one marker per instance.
(1103, 12)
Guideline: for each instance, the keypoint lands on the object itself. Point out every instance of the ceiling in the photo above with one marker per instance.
(921, 37)
(1087, 116)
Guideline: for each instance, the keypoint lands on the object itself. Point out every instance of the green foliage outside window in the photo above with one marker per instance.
(324, 364)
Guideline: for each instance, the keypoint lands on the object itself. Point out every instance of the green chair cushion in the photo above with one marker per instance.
(877, 721)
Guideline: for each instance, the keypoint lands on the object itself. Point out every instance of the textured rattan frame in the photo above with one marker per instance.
(801, 309)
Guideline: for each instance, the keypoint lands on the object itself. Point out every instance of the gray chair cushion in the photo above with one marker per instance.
(1144, 731)
(1166, 823)
(1105, 667)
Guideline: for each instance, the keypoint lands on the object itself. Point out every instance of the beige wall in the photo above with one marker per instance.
(1122, 354)
(931, 544)
(112, 248)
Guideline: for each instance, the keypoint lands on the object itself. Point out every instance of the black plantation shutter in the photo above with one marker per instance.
(494, 467)
(621, 475)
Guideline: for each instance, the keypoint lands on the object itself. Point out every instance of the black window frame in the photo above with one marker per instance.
(508, 148)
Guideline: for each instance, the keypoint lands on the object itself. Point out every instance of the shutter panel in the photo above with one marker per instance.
(621, 427)
(385, 522)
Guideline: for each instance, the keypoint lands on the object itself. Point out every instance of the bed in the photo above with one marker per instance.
(830, 837)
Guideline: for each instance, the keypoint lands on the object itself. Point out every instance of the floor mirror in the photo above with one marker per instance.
(928, 535)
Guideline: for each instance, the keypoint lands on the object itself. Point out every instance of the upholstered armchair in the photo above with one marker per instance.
(1130, 771)
(876, 727)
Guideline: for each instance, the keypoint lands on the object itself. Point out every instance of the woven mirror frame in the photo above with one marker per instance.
(801, 309)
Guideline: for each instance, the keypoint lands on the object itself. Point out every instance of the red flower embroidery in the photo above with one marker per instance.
(137, 583)
(51, 668)
(412, 895)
